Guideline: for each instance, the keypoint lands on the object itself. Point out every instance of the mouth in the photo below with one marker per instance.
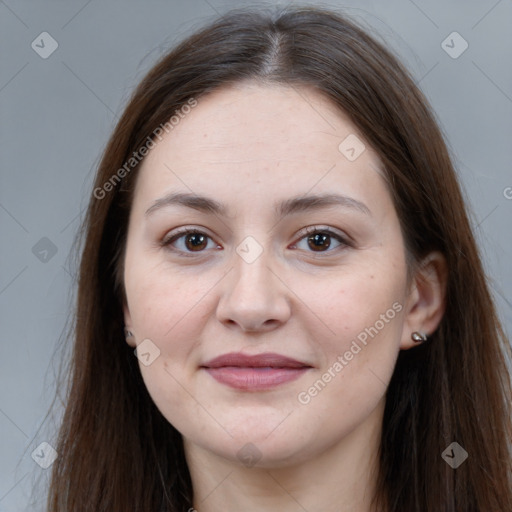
(255, 373)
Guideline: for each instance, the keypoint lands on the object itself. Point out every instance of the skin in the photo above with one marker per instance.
(249, 146)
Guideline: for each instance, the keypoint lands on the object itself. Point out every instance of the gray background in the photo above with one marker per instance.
(57, 113)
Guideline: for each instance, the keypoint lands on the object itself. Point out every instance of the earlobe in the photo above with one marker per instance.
(426, 304)
(128, 331)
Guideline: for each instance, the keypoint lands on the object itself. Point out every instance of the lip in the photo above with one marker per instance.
(254, 372)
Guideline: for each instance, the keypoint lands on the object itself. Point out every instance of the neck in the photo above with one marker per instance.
(339, 479)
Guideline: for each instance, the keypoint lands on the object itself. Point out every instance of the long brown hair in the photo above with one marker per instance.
(118, 453)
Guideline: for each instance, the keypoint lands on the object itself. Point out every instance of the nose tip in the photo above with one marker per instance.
(253, 298)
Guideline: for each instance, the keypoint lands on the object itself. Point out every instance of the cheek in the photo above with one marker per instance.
(366, 315)
(164, 302)
(359, 301)
(363, 311)
(172, 313)
(169, 386)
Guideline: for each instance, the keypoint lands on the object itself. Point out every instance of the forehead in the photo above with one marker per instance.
(248, 117)
(261, 139)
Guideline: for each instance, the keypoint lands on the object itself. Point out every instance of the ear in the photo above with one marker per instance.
(128, 324)
(425, 305)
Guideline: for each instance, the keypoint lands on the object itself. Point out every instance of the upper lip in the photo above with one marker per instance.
(268, 359)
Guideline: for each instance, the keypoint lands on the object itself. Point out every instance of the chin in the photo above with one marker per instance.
(261, 446)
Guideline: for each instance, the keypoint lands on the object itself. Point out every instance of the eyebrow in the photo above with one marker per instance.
(287, 207)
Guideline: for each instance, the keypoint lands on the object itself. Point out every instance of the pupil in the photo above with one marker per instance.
(319, 237)
(196, 236)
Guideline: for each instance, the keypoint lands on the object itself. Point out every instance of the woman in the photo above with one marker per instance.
(277, 234)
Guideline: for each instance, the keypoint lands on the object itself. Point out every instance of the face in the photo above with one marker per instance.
(315, 291)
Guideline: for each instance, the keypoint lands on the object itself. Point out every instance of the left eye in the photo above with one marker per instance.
(319, 239)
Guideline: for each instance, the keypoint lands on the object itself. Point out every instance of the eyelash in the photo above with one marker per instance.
(167, 241)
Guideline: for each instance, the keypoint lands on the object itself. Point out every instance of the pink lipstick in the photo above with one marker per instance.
(254, 373)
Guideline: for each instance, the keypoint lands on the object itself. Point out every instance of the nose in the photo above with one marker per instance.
(254, 297)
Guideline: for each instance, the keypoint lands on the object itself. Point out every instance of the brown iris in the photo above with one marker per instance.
(319, 238)
(197, 241)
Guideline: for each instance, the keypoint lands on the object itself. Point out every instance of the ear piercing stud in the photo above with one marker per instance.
(128, 333)
(418, 337)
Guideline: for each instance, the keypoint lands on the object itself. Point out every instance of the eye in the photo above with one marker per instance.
(195, 241)
(192, 240)
(320, 239)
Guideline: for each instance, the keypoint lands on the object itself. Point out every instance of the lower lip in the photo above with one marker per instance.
(254, 379)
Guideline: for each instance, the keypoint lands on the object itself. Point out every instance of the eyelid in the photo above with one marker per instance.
(184, 230)
(344, 239)
(168, 239)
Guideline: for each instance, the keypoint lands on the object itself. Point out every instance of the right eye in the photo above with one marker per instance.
(191, 241)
